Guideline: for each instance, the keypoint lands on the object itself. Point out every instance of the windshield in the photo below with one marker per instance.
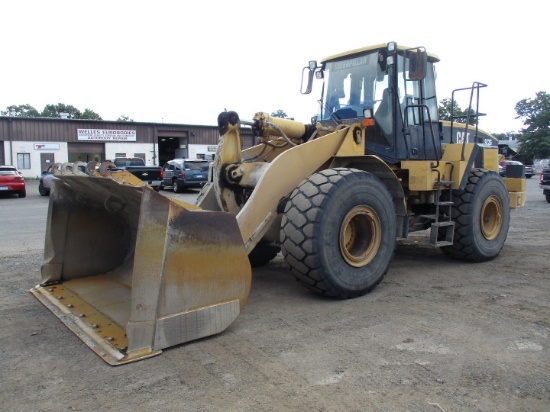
(129, 162)
(352, 85)
(197, 166)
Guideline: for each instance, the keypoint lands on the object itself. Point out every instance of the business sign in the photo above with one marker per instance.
(46, 146)
(212, 148)
(106, 135)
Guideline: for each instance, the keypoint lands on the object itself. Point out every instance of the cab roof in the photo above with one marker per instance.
(432, 57)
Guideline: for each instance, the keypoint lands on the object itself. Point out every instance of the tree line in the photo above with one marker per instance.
(59, 111)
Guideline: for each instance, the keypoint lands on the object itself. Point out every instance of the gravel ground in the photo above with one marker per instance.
(436, 335)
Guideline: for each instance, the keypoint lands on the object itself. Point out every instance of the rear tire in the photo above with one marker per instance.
(481, 213)
(22, 193)
(548, 198)
(339, 232)
(176, 187)
(42, 190)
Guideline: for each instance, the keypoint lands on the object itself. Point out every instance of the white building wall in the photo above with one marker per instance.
(32, 148)
(130, 149)
(201, 149)
(111, 149)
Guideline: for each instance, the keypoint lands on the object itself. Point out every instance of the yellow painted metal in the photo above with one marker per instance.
(291, 128)
(422, 177)
(381, 46)
(517, 190)
(515, 184)
(261, 168)
(294, 164)
(423, 174)
(491, 217)
(360, 236)
(228, 152)
(354, 143)
(490, 159)
(517, 199)
(132, 272)
(264, 152)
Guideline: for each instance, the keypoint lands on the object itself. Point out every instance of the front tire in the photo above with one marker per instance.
(339, 232)
(481, 213)
(262, 254)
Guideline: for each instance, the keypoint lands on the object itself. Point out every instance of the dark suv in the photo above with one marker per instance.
(184, 173)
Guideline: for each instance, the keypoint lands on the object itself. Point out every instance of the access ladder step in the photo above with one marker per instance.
(443, 224)
(449, 233)
(445, 203)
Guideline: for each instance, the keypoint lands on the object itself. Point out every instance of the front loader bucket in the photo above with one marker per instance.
(131, 271)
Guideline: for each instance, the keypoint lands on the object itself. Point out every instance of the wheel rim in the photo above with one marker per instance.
(360, 236)
(491, 217)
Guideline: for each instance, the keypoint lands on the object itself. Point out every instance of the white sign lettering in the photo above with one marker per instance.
(107, 135)
(461, 135)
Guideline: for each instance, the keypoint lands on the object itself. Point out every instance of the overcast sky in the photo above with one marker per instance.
(185, 62)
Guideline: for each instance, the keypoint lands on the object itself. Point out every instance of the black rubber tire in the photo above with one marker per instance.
(22, 193)
(263, 253)
(481, 213)
(319, 217)
(42, 190)
(548, 198)
(175, 187)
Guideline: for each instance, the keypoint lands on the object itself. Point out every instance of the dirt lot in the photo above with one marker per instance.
(436, 335)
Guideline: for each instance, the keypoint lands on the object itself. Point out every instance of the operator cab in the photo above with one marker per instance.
(396, 86)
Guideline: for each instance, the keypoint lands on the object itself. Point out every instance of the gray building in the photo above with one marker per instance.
(32, 144)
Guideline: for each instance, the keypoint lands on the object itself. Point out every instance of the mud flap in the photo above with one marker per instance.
(132, 272)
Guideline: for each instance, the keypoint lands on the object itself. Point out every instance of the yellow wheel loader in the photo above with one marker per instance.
(132, 272)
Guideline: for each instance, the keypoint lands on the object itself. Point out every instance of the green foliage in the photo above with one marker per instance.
(22, 110)
(535, 137)
(279, 113)
(447, 106)
(61, 110)
(124, 118)
(89, 114)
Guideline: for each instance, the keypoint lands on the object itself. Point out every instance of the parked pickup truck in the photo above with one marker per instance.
(152, 175)
(544, 183)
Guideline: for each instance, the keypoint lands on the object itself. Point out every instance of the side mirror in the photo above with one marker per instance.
(307, 77)
(418, 63)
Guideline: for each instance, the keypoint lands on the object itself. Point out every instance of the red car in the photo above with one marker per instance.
(11, 181)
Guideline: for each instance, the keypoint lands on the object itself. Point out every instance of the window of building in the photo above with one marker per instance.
(120, 154)
(23, 160)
